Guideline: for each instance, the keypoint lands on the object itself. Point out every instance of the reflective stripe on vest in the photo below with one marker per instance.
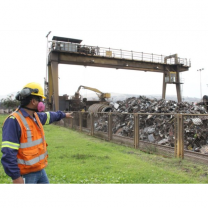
(31, 144)
(33, 161)
(29, 136)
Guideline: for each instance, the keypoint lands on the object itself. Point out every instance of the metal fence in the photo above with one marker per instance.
(114, 53)
(171, 135)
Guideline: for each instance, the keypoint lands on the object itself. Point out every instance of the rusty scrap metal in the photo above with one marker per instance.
(159, 126)
(100, 107)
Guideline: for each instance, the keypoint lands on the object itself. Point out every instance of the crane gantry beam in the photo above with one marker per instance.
(76, 54)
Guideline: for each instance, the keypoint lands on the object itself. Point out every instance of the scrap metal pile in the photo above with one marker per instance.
(159, 129)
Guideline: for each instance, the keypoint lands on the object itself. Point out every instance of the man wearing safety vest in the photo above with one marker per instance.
(23, 140)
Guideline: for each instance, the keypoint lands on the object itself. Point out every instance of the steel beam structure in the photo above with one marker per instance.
(75, 58)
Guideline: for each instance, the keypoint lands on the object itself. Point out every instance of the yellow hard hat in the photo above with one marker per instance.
(33, 86)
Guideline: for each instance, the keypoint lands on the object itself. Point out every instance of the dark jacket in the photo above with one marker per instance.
(11, 133)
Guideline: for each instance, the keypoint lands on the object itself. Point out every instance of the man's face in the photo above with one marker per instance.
(35, 102)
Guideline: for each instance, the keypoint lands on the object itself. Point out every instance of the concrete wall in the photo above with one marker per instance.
(6, 111)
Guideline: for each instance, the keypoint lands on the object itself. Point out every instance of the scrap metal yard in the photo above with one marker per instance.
(161, 126)
(156, 126)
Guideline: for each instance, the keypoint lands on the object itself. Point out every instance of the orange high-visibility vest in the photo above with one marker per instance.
(32, 154)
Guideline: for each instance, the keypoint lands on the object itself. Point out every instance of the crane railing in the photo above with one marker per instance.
(114, 53)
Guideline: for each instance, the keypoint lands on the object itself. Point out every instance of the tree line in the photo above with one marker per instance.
(10, 102)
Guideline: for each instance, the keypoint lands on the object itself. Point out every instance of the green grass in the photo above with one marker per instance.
(78, 158)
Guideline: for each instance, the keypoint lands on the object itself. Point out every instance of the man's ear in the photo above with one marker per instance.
(33, 101)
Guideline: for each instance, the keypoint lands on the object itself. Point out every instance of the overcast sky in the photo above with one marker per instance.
(149, 26)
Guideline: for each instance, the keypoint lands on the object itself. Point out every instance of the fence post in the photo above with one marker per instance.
(109, 126)
(71, 123)
(136, 131)
(80, 121)
(64, 122)
(175, 134)
(180, 139)
(92, 124)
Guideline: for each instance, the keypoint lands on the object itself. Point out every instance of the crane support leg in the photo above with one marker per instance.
(54, 70)
(178, 87)
(50, 84)
(164, 87)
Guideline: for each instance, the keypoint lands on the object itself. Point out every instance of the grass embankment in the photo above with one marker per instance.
(77, 158)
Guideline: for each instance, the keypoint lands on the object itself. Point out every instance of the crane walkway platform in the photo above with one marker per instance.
(77, 54)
